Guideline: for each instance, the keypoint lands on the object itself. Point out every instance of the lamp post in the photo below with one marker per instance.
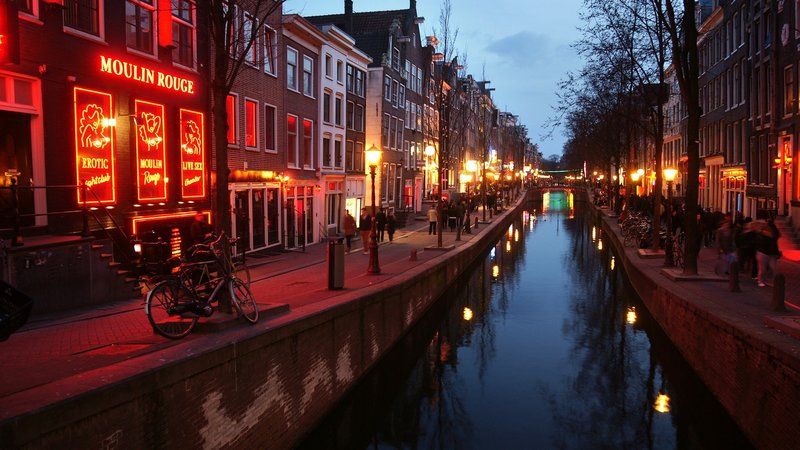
(373, 155)
(669, 257)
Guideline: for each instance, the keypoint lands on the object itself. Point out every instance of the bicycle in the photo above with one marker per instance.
(175, 304)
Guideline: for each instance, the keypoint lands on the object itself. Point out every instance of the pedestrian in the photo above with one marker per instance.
(767, 253)
(364, 227)
(199, 230)
(391, 225)
(380, 224)
(349, 228)
(726, 244)
(746, 243)
(433, 217)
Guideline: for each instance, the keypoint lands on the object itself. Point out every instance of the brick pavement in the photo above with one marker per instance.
(67, 344)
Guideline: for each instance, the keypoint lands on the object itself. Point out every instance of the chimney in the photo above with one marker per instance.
(413, 5)
(348, 16)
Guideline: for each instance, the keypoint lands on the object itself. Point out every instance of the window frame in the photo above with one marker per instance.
(270, 37)
(75, 29)
(270, 128)
(292, 142)
(191, 25)
(308, 144)
(292, 69)
(308, 76)
(140, 5)
(251, 122)
(232, 110)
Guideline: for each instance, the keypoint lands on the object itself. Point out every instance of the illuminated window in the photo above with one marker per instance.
(269, 50)
(269, 127)
(30, 7)
(230, 109)
(308, 143)
(139, 25)
(308, 76)
(291, 68)
(291, 141)
(250, 123)
(83, 15)
(183, 27)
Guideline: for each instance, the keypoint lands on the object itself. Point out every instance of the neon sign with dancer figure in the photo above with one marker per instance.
(94, 145)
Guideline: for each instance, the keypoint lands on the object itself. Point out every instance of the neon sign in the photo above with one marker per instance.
(145, 75)
(193, 183)
(94, 145)
(9, 32)
(150, 151)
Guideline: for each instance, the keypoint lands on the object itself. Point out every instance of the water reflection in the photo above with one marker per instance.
(542, 345)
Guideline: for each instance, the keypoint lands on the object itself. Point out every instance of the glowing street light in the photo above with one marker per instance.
(669, 257)
(373, 156)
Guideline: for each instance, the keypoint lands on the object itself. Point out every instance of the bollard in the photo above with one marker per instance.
(733, 281)
(779, 293)
(476, 222)
(413, 256)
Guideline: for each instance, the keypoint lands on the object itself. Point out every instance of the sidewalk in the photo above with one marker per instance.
(748, 310)
(291, 284)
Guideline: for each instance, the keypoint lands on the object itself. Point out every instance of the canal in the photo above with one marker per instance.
(543, 344)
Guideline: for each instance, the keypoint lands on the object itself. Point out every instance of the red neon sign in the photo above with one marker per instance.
(9, 32)
(94, 145)
(193, 182)
(150, 151)
(146, 75)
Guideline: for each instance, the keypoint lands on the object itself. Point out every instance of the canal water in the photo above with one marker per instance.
(542, 345)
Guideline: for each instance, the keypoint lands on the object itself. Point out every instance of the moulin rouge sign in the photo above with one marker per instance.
(94, 145)
(146, 75)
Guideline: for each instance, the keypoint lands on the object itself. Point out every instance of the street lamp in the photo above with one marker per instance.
(373, 155)
(669, 257)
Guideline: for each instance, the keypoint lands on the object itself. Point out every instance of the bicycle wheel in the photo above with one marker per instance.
(242, 272)
(163, 309)
(243, 300)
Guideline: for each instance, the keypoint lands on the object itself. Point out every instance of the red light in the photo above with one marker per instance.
(94, 145)
(150, 151)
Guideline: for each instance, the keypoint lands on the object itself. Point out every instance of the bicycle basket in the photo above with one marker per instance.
(15, 307)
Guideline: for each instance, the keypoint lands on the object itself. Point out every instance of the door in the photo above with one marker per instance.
(259, 214)
(242, 219)
(291, 226)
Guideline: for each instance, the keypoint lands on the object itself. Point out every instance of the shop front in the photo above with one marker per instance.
(299, 214)
(256, 213)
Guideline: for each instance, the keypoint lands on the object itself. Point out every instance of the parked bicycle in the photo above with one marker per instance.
(176, 303)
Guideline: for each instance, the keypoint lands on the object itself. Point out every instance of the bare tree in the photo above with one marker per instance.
(232, 38)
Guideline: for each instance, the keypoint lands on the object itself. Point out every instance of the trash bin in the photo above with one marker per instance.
(335, 263)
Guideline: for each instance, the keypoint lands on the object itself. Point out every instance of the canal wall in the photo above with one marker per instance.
(744, 364)
(245, 388)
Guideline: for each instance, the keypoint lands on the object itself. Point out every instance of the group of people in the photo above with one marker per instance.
(751, 244)
(459, 212)
(385, 224)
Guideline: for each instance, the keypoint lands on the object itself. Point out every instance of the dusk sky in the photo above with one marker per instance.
(522, 46)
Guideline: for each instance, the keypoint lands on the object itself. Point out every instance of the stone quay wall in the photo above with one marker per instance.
(754, 380)
(245, 388)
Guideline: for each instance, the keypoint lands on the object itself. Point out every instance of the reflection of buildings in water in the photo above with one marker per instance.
(558, 201)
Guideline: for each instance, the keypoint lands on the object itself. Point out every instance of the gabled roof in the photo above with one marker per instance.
(370, 29)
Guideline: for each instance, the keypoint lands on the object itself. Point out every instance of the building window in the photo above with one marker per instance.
(788, 90)
(308, 76)
(338, 110)
(269, 50)
(83, 15)
(326, 107)
(291, 68)
(360, 83)
(395, 87)
(308, 143)
(393, 134)
(139, 25)
(349, 160)
(230, 109)
(351, 111)
(291, 141)
(401, 96)
(339, 72)
(400, 131)
(326, 151)
(358, 160)
(385, 130)
(328, 66)
(183, 32)
(269, 127)
(337, 151)
(387, 88)
(250, 123)
(349, 83)
(396, 58)
(248, 25)
(359, 119)
(29, 7)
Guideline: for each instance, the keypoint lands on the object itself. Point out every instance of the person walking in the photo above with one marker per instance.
(767, 253)
(349, 228)
(726, 246)
(391, 225)
(380, 224)
(364, 227)
(746, 242)
(433, 217)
